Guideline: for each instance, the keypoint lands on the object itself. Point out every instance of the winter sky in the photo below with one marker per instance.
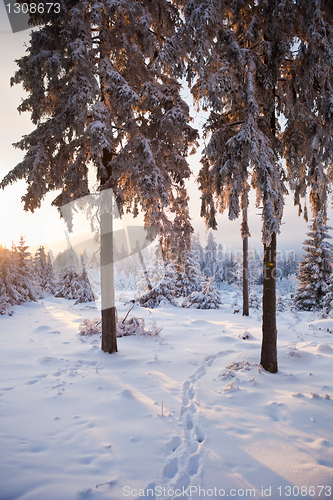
(44, 226)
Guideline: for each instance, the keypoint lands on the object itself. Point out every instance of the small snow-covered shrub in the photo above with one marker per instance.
(283, 304)
(234, 367)
(75, 285)
(280, 304)
(125, 327)
(255, 300)
(89, 328)
(135, 326)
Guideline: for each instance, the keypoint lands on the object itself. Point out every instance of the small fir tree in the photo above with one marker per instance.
(208, 298)
(27, 284)
(198, 252)
(314, 270)
(84, 291)
(328, 300)
(5, 306)
(164, 292)
(210, 256)
(43, 271)
(188, 279)
(16, 285)
(9, 282)
(74, 283)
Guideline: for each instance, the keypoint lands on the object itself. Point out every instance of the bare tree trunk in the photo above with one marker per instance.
(245, 276)
(269, 330)
(109, 329)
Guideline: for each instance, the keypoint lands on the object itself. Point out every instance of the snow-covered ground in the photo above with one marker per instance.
(76, 423)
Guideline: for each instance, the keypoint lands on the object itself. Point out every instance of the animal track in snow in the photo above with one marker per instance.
(189, 422)
(193, 465)
(277, 411)
(191, 392)
(183, 481)
(173, 445)
(200, 434)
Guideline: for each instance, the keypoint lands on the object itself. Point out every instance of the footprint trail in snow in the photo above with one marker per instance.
(183, 469)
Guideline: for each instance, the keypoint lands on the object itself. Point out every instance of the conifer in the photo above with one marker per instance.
(314, 272)
(97, 98)
(164, 292)
(210, 256)
(43, 270)
(250, 63)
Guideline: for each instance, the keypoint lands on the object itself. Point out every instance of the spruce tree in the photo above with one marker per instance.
(314, 272)
(210, 256)
(189, 278)
(164, 292)
(10, 290)
(26, 281)
(17, 284)
(198, 252)
(250, 63)
(50, 280)
(328, 299)
(44, 271)
(84, 293)
(219, 266)
(40, 262)
(97, 98)
(73, 282)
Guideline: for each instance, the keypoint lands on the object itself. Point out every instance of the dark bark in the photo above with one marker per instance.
(269, 331)
(109, 335)
(245, 276)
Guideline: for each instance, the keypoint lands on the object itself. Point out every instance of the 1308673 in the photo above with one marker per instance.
(303, 491)
(33, 8)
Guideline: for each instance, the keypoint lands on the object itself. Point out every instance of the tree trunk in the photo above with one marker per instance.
(108, 309)
(269, 331)
(245, 276)
(109, 329)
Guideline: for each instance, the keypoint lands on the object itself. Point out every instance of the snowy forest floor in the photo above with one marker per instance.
(76, 423)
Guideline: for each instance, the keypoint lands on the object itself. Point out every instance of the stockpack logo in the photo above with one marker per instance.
(108, 241)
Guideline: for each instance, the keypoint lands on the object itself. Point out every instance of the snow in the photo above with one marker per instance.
(77, 423)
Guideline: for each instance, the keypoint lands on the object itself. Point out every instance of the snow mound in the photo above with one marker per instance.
(324, 348)
(47, 359)
(127, 394)
(246, 336)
